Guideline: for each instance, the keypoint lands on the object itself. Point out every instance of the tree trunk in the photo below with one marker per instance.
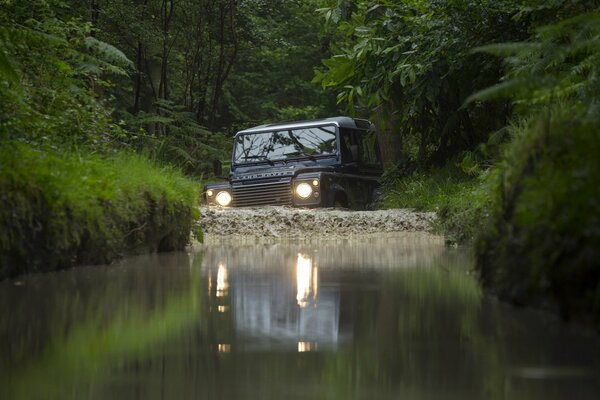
(388, 135)
(138, 79)
(94, 15)
(223, 66)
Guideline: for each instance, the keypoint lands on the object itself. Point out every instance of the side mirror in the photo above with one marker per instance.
(217, 168)
(354, 152)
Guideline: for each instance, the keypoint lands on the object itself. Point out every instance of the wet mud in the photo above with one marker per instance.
(286, 222)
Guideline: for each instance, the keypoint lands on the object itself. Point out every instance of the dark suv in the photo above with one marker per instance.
(332, 162)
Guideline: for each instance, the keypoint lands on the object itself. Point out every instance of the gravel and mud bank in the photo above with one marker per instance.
(286, 222)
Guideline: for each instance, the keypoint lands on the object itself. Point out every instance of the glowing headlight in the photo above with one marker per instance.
(223, 198)
(303, 190)
(209, 192)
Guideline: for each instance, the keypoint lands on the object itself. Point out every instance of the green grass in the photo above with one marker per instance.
(458, 198)
(60, 210)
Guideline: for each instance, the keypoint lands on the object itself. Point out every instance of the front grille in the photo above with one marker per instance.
(257, 194)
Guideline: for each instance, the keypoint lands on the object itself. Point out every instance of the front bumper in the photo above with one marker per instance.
(282, 192)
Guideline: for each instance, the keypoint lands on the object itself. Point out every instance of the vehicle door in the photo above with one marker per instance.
(369, 164)
(356, 184)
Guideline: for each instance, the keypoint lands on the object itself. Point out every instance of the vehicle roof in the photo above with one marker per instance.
(344, 122)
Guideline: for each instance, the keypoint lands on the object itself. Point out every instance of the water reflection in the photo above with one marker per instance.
(224, 348)
(396, 317)
(277, 312)
(64, 332)
(307, 346)
(222, 283)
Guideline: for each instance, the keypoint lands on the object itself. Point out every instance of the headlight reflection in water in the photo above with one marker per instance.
(222, 283)
(307, 280)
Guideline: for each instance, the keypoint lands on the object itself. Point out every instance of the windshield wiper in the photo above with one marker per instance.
(300, 154)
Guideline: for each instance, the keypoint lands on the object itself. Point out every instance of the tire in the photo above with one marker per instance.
(340, 201)
(374, 198)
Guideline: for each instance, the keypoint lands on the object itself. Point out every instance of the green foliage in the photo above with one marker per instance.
(412, 60)
(559, 64)
(177, 139)
(271, 79)
(541, 243)
(204, 69)
(62, 210)
(52, 74)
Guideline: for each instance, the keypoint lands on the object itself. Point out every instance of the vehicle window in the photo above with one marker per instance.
(286, 144)
(346, 142)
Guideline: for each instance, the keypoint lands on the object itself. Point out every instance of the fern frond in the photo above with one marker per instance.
(107, 52)
(508, 49)
(510, 88)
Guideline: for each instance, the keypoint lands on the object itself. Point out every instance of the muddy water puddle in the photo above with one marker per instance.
(398, 316)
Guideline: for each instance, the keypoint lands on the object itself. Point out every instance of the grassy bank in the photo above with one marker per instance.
(58, 210)
(458, 198)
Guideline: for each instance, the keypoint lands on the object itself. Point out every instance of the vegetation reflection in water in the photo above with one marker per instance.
(371, 318)
(76, 326)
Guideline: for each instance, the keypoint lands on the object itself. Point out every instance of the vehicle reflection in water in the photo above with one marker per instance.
(387, 318)
(264, 310)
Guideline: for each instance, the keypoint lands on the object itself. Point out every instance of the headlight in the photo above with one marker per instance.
(223, 198)
(303, 190)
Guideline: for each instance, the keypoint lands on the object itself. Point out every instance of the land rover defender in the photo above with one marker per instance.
(331, 162)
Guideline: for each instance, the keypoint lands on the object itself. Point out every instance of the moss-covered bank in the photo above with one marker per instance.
(59, 210)
(534, 216)
(542, 244)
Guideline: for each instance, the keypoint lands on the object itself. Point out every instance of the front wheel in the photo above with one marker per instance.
(374, 197)
(340, 201)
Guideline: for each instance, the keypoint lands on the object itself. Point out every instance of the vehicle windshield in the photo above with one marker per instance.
(285, 144)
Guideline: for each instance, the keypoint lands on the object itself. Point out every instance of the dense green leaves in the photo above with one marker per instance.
(540, 243)
(53, 74)
(159, 76)
(271, 79)
(413, 59)
(560, 64)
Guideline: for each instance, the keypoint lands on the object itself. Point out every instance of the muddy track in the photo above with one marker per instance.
(286, 222)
